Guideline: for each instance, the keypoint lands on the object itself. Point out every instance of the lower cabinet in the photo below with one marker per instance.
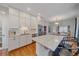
(43, 51)
(24, 40)
(19, 42)
(12, 44)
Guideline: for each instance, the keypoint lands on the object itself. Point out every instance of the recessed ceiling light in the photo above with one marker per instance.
(28, 9)
(39, 14)
(56, 23)
(2, 12)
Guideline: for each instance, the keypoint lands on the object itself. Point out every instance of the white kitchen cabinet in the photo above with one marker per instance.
(22, 41)
(12, 44)
(22, 21)
(19, 41)
(34, 25)
(27, 21)
(33, 21)
(13, 21)
(29, 39)
(13, 11)
(13, 18)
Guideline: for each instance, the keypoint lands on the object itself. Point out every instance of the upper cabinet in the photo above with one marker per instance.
(34, 24)
(13, 18)
(18, 19)
(22, 20)
(28, 21)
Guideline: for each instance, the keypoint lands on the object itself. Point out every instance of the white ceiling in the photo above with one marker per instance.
(47, 10)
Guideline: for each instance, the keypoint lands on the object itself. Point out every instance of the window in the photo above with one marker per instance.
(63, 29)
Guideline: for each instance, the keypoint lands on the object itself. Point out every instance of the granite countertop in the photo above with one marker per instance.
(49, 41)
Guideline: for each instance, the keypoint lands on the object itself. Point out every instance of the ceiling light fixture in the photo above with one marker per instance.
(39, 17)
(56, 23)
(39, 14)
(28, 9)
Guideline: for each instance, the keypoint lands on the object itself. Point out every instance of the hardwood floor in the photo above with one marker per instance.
(28, 50)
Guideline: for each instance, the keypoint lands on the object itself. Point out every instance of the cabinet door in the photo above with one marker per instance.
(27, 21)
(22, 21)
(29, 39)
(13, 18)
(33, 25)
(13, 21)
(12, 44)
(33, 21)
(22, 41)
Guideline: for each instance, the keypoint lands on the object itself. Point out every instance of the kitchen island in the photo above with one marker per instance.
(47, 43)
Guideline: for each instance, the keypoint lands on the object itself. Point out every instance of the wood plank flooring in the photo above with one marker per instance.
(28, 50)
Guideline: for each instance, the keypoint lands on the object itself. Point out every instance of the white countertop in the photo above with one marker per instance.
(49, 41)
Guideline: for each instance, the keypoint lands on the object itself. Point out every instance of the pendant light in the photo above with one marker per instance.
(39, 17)
(56, 23)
